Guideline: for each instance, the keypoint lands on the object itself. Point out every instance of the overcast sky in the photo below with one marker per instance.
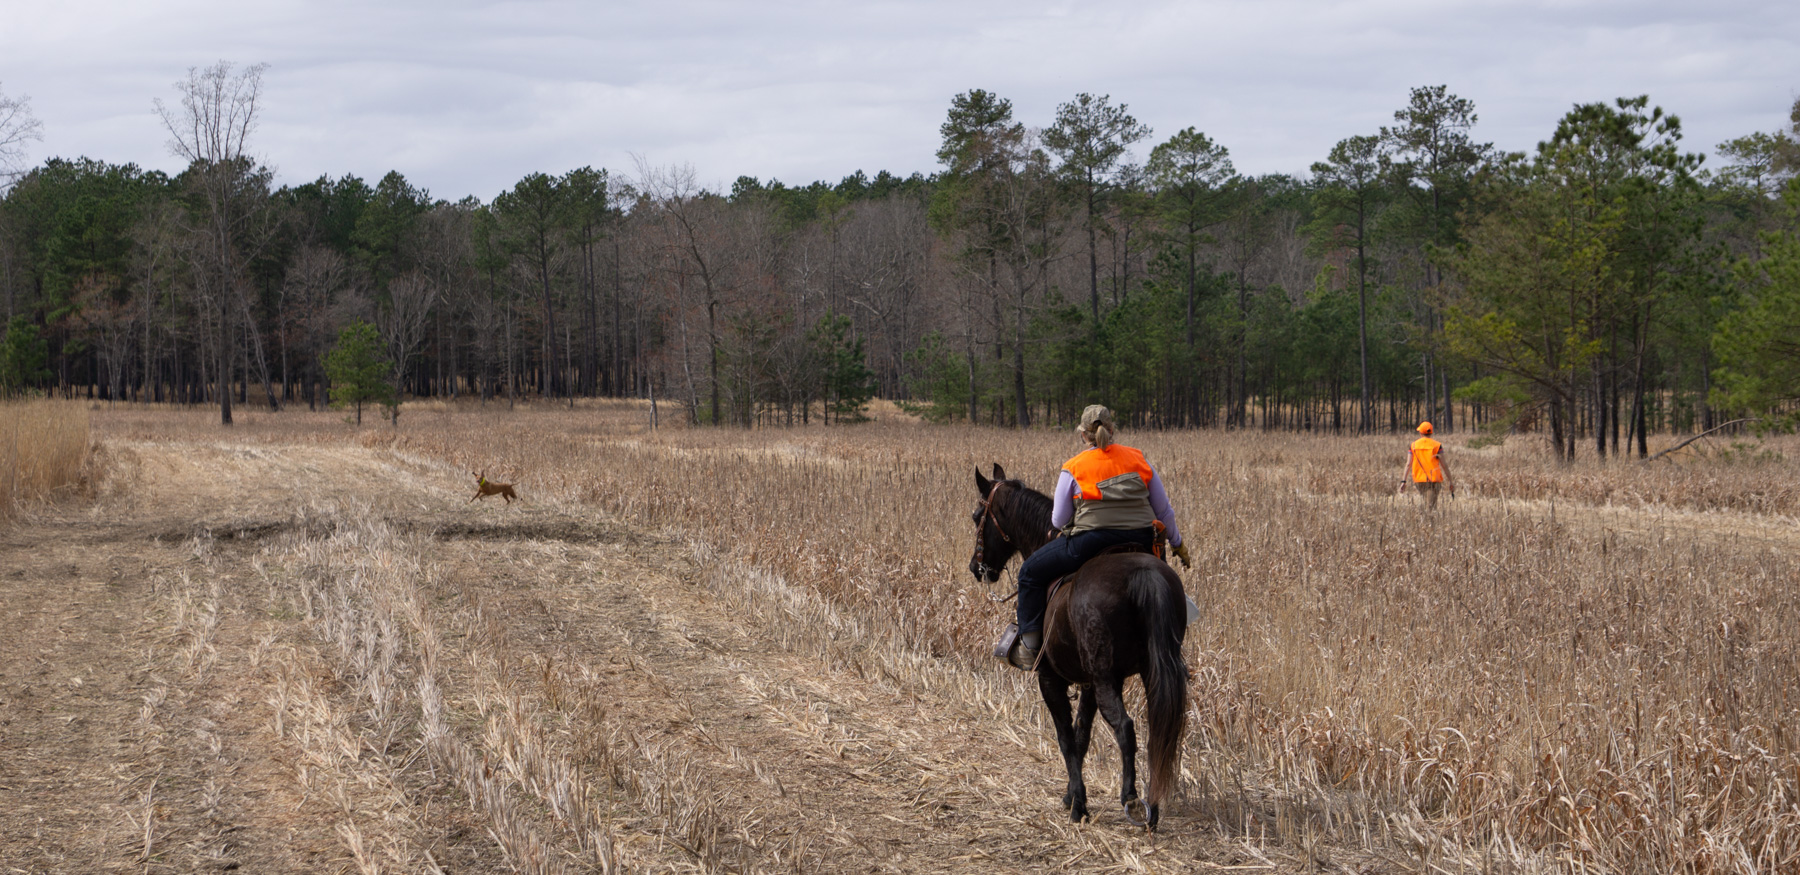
(465, 97)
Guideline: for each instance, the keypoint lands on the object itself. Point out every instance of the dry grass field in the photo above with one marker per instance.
(44, 451)
(294, 646)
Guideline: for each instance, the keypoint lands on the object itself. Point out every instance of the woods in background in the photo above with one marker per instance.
(1600, 288)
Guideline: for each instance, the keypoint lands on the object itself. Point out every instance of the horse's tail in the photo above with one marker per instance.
(1155, 592)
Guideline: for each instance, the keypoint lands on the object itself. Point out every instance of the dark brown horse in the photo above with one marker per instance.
(1122, 614)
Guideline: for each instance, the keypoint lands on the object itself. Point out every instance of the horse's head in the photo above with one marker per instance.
(993, 547)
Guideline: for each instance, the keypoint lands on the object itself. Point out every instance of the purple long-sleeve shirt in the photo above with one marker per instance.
(1063, 508)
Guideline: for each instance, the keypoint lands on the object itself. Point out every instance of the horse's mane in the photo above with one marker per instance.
(1023, 508)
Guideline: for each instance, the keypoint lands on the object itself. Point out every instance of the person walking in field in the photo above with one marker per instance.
(1426, 469)
(1105, 496)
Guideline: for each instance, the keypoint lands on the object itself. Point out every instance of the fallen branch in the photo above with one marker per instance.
(1662, 453)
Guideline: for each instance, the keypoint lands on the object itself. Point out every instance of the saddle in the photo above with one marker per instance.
(1158, 547)
(1131, 548)
(1010, 634)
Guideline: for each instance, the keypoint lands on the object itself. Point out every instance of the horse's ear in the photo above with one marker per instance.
(982, 483)
(999, 472)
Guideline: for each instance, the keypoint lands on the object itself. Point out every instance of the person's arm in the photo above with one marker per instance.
(1165, 513)
(1062, 502)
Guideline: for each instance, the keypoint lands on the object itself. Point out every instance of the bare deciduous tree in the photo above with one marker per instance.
(112, 323)
(403, 320)
(886, 255)
(687, 254)
(317, 278)
(212, 130)
(17, 127)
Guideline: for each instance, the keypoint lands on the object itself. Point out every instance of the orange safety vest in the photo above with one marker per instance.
(1425, 466)
(1114, 489)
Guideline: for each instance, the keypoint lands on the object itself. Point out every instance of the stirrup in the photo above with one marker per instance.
(1008, 636)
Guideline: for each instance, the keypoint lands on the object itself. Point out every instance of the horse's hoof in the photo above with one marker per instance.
(1077, 815)
(1132, 807)
(1155, 817)
(1068, 801)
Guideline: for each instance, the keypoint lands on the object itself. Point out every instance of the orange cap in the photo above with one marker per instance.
(1424, 428)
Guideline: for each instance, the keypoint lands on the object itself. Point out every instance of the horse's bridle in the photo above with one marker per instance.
(989, 572)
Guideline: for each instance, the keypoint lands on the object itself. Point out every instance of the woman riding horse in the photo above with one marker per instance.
(1105, 496)
(1120, 615)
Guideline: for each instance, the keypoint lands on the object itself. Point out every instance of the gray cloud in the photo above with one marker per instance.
(466, 97)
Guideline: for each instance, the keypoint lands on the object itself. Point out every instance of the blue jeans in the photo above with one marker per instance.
(1063, 556)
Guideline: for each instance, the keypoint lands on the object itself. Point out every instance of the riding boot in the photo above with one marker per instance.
(1025, 653)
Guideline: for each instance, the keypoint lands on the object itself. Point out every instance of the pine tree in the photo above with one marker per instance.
(357, 369)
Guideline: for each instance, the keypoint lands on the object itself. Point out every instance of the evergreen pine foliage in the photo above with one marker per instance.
(358, 369)
(24, 358)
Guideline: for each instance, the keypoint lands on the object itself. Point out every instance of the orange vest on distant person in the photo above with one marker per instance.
(1114, 486)
(1425, 466)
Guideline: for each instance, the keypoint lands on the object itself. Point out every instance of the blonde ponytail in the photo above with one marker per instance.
(1097, 425)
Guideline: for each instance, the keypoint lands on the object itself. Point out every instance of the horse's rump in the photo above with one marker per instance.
(1122, 590)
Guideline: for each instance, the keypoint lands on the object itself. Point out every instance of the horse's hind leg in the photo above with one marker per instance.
(1112, 707)
(1072, 741)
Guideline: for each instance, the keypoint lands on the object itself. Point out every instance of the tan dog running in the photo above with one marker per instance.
(485, 487)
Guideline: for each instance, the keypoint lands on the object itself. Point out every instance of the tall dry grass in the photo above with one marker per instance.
(44, 448)
(1591, 666)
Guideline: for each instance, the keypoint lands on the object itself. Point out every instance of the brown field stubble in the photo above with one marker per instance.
(1593, 666)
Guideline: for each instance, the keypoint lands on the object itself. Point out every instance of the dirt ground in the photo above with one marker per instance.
(172, 699)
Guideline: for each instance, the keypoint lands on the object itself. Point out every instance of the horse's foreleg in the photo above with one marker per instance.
(1068, 738)
(1112, 707)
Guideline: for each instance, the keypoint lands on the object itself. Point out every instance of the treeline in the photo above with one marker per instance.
(1602, 287)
